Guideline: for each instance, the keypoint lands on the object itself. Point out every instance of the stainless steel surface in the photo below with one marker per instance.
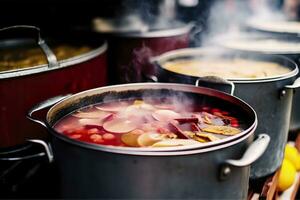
(50, 56)
(112, 172)
(295, 85)
(268, 96)
(254, 152)
(216, 80)
(47, 147)
(43, 105)
(61, 64)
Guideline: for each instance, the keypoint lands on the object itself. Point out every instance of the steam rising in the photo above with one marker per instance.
(230, 18)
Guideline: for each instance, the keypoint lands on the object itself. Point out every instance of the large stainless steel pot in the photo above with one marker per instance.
(211, 172)
(274, 49)
(288, 30)
(131, 47)
(20, 89)
(270, 97)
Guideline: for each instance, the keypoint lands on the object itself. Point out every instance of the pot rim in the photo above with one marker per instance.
(157, 33)
(137, 86)
(252, 23)
(251, 37)
(200, 51)
(61, 64)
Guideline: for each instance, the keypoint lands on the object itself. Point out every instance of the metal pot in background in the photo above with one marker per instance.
(274, 45)
(20, 89)
(133, 42)
(285, 30)
(213, 172)
(270, 97)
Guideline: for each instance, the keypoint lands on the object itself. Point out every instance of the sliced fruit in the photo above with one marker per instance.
(165, 106)
(187, 120)
(203, 137)
(148, 139)
(174, 142)
(207, 120)
(165, 115)
(223, 130)
(176, 129)
(119, 125)
(113, 107)
(130, 139)
(94, 122)
(92, 115)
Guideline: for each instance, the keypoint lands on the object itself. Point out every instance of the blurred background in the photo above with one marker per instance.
(59, 15)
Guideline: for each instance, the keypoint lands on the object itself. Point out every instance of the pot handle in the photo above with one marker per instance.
(217, 83)
(43, 105)
(254, 152)
(295, 85)
(51, 58)
(47, 152)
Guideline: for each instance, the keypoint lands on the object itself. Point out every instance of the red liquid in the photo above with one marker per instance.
(106, 123)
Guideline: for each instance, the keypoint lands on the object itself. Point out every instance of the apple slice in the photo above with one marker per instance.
(119, 125)
(112, 107)
(92, 122)
(165, 115)
(130, 139)
(97, 114)
(148, 139)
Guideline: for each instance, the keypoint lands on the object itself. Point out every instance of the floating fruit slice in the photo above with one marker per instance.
(207, 120)
(142, 105)
(202, 137)
(113, 107)
(165, 115)
(165, 106)
(119, 125)
(93, 122)
(174, 143)
(187, 120)
(97, 114)
(223, 130)
(130, 139)
(181, 134)
(148, 139)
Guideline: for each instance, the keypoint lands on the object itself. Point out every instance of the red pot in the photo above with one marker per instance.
(23, 88)
(129, 51)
